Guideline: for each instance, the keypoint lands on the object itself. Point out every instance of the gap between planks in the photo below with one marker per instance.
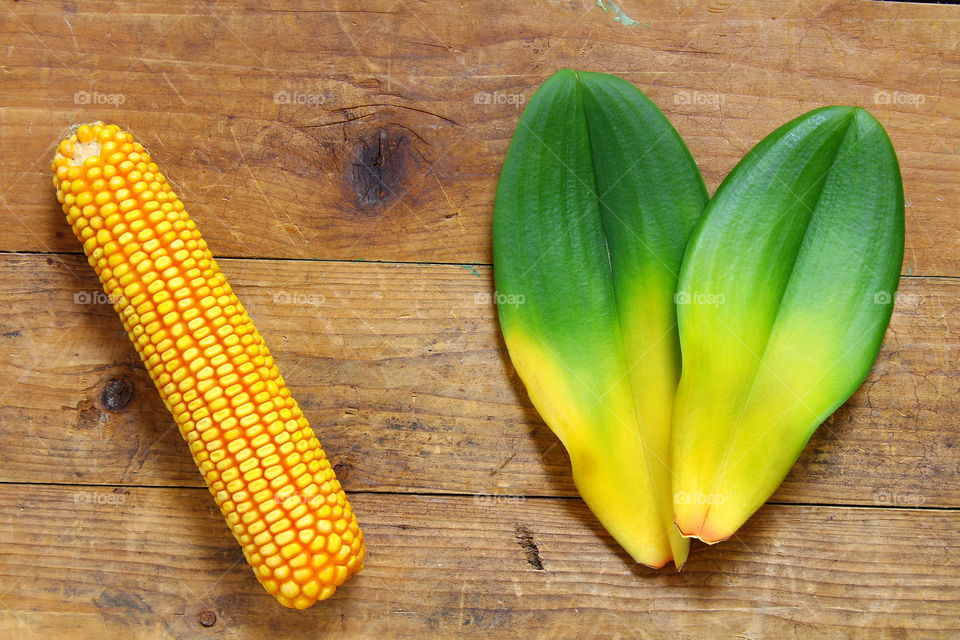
(365, 261)
(453, 494)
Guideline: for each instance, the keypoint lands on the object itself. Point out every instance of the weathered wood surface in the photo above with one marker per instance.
(390, 156)
(401, 370)
(375, 130)
(159, 563)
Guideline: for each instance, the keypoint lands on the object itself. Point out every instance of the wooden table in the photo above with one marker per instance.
(342, 158)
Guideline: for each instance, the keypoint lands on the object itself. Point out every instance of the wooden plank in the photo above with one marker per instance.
(392, 152)
(144, 563)
(402, 371)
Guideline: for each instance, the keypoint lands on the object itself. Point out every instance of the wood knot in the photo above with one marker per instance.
(380, 165)
(207, 618)
(342, 469)
(117, 393)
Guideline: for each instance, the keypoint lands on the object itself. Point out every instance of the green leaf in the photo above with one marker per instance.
(786, 291)
(596, 200)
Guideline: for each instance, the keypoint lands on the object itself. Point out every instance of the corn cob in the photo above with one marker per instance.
(258, 455)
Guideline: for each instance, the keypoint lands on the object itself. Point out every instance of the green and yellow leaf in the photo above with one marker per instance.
(596, 200)
(785, 294)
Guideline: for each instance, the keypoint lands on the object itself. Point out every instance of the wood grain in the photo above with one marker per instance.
(381, 150)
(402, 371)
(146, 563)
(374, 131)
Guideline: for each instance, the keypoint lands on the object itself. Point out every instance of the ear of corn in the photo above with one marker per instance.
(787, 289)
(254, 448)
(595, 202)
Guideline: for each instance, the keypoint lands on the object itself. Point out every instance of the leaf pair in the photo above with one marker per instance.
(780, 299)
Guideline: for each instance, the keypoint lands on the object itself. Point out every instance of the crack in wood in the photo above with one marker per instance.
(524, 538)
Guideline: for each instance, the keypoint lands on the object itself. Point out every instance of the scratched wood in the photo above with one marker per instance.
(148, 563)
(376, 129)
(402, 371)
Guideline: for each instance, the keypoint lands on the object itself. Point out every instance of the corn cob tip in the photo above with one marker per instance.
(79, 143)
(254, 448)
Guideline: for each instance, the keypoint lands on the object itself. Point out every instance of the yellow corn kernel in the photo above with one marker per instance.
(256, 452)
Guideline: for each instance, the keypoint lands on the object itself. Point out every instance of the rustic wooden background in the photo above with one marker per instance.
(342, 157)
